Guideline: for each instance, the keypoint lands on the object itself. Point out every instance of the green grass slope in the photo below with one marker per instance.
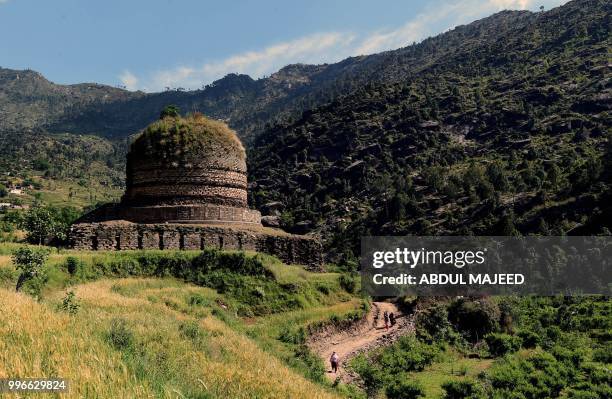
(170, 324)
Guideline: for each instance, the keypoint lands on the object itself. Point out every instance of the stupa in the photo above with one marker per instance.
(186, 188)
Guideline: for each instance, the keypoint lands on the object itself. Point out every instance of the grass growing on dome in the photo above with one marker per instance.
(172, 137)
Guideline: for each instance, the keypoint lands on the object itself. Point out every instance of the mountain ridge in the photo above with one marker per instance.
(247, 104)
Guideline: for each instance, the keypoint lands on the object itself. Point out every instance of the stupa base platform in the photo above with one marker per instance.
(189, 213)
(125, 235)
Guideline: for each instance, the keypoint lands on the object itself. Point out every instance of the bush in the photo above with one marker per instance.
(198, 300)
(29, 262)
(6, 275)
(293, 335)
(529, 338)
(347, 283)
(432, 324)
(371, 374)
(537, 376)
(407, 354)
(191, 329)
(70, 303)
(475, 318)
(73, 265)
(603, 355)
(403, 389)
(120, 335)
(464, 389)
(500, 344)
(311, 363)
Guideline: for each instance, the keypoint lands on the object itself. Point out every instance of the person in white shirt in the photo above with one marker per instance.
(334, 359)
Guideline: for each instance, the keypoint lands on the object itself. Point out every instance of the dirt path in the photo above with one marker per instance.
(364, 336)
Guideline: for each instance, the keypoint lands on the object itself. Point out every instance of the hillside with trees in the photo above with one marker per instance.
(492, 140)
(499, 126)
(29, 101)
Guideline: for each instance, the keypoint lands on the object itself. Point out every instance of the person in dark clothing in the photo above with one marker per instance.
(392, 319)
(386, 317)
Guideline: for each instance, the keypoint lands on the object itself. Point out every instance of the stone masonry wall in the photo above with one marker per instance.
(204, 213)
(290, 249)
(195, 185)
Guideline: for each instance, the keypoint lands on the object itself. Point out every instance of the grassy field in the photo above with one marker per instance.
(162, 337)
(452, 366)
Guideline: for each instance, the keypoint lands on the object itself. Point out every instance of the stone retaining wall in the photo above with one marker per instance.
(130, 236)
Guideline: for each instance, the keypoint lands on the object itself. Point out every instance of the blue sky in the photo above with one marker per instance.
(150, 45)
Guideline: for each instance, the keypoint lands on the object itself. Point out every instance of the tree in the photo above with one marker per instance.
(41, 223)
(505, 226)
(3, 191)
(30, 262)
(172, 111)
(402, 389)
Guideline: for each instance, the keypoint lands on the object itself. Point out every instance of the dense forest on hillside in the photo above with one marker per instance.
(494, 140)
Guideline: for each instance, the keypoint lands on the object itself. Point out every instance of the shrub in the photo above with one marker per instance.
(73, 265)
(603, 355)
(197, 300)
(407, 354)
(475, 318)
(464, 389)
(292, 335)
(313, 365)
(500, 344)
(402, 389)
(537, 376)
(171, 110)
(191, 329)
(120, 335)
(529, 338)
(347, 283)
(30, 264)
(371, 374)
(432, 324)
(6, 275)
(70, 303)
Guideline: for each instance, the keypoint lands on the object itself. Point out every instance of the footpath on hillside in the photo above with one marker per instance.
(363, 336)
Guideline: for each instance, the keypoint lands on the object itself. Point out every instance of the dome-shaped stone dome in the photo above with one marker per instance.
(186, 161)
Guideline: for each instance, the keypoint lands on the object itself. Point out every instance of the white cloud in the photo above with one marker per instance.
(332, 46)
(129, 80)
(511, 4)
(309, 49)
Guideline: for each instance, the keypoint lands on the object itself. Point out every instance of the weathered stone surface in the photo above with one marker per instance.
(271, 221)
(287, 247)
(200, 162)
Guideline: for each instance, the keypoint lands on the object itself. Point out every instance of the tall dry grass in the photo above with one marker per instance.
(174, 353)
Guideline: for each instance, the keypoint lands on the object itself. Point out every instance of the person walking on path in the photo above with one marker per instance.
(386, 317)
(392, 319)
(334, 359)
